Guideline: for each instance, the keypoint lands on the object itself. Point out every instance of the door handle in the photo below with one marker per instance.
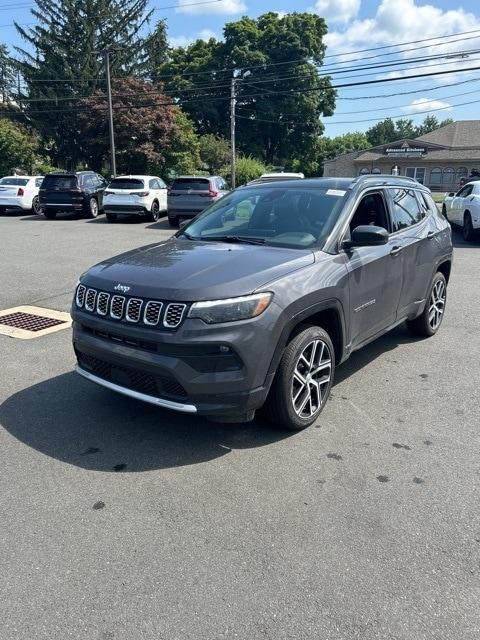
(396, 250)
(430, 235)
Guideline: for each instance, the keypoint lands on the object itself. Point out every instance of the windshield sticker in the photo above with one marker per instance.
(335, 192)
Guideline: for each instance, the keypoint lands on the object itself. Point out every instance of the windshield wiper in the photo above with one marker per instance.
(245, 239)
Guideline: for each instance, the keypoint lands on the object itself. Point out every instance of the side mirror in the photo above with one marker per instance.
(451, 195)
(367, 236)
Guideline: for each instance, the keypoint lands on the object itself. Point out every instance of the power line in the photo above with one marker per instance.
(417, 113)
(227, 97)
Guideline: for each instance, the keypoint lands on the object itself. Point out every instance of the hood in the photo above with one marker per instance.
(186, 270)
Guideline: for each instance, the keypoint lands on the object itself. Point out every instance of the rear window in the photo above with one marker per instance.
(126, 183)
(60, 183)
(18, 182)
(194, 184)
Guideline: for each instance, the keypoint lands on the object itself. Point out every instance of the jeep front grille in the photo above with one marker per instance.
(80, 297)
(102, 303)
(153, 309)
(174, 315)
(90, 299)
(116, 308)
(151, 313)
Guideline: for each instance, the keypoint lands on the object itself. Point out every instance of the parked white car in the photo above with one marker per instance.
(463, 209)
(135, 195)
(20, 192)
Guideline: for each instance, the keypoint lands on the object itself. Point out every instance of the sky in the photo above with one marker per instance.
(353, 25)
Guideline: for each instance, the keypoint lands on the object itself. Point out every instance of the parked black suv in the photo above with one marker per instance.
(259, 298)
(80, 192)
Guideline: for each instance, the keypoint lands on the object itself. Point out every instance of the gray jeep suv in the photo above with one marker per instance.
(255, 302)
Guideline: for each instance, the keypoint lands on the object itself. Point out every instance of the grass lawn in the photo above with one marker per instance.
(438, 197)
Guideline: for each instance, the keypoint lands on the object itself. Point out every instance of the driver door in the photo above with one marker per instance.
(458, 204)
(375, 273)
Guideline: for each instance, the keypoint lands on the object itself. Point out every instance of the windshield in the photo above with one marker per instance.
(126, 183)
(18, 182)
(284, 216)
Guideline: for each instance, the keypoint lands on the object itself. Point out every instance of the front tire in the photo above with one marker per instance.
(428, 322)
(92, 208)
(444, 212)
(468, 231)
(154, 212)
(303, 380)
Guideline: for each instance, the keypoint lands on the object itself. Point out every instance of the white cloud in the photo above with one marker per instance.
(184, 41)
(211, 6)
(337, 10)
(397, 21)
(425, 104)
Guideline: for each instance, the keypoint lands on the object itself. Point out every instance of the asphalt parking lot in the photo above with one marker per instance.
(120, 521)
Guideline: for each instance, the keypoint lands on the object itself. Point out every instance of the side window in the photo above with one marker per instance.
(89, 182)
(371, 210)
(406, 209)
(466, 191)
(425, 205)
(38, 182)
(161, 184)
(153, 184)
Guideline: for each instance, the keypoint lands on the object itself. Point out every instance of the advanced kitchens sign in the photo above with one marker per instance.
(404, 150)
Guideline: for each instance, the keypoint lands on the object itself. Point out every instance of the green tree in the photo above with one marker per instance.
(382, 133)
(63, 62)
(183, 153)
(247, 168)
(430, 123)
(8, 83)
(214, 151)
(155, 52)
(279, 104)
(333, 147)
(17, 149)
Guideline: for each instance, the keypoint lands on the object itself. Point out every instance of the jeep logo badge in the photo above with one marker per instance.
(122, 287)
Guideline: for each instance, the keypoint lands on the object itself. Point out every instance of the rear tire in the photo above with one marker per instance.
(468, 231)
(155, 212)
(36, 208)
(50, 215)
(429, 321)
(111, 217)
(92, 208)
(302, 384)
(173, 221)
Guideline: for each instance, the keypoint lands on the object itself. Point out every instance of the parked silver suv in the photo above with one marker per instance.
(190, 195)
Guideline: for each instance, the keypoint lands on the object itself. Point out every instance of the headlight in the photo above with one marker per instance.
(231, 309)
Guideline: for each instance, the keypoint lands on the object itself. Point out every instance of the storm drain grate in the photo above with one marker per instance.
(29, 321)
(32, 322)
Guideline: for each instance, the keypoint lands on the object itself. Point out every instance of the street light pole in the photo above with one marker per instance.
(233, 103)
(106, 55)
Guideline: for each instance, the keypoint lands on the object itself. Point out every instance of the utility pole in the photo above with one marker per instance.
(233, 102)
(106, 55)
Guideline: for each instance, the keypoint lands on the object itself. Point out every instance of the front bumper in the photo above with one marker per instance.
(184, 370)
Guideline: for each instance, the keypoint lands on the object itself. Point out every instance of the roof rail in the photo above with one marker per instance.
(383, 178)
